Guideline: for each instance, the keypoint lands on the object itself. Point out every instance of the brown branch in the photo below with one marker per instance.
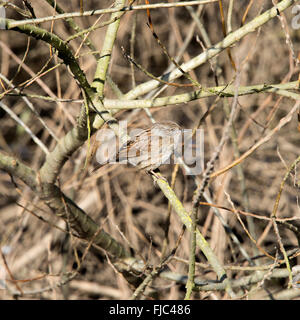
(263, 140)
(78, 220)
(18, 169)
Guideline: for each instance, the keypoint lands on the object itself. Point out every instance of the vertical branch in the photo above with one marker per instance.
(274, 213)
(101, 73)
(199, 192)
(105, 55)
(200, 240)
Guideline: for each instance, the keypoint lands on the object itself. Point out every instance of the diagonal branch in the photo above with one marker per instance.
(64, 52)
(63, 207)
(18, 169)
(216, 49)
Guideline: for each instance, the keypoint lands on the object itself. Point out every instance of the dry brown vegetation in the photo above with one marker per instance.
(55, 263)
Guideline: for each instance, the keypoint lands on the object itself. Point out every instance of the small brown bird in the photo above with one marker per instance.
(151, 147)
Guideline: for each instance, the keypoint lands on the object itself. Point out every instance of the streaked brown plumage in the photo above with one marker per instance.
(151, 147)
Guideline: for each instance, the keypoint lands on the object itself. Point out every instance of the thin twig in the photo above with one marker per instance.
(112, 10)
(26, 128)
